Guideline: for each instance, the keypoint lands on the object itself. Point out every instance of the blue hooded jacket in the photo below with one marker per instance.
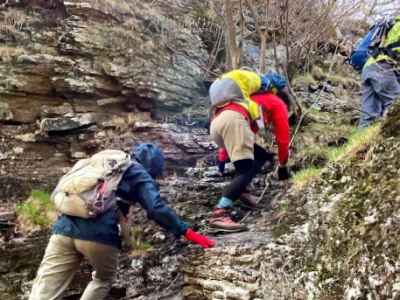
(137, 186)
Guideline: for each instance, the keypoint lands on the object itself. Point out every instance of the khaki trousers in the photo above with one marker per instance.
(232, 131)
(62, 260)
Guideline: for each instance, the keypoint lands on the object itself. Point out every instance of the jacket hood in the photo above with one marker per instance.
(150, 157)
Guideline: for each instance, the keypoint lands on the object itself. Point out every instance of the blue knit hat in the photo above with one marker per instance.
(150, 157)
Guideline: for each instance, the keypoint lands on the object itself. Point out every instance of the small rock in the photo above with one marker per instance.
(79, 155)
(100, 135)
(212, 173)
(137, 265)
(5, 112)
(66, 124)
(145, 125)
(18, 150)
(27, 137)
(65, 170)
(313, 88)
(108, 101)
(159, 236)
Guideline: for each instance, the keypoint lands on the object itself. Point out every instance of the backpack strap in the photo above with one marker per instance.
(390, 51)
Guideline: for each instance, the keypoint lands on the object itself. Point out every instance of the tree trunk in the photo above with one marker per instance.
(233, 51)
(263, 50)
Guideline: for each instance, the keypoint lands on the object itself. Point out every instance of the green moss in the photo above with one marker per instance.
(358, 141)
(38, 212)
(304, 177)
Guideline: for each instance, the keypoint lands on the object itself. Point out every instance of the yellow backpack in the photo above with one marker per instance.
(237, 86)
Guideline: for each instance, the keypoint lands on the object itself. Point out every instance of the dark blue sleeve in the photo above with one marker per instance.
(138, 186)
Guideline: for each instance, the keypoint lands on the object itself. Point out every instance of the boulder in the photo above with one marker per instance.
(54, 125)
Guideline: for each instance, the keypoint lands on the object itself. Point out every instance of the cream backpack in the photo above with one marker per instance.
(88, 189)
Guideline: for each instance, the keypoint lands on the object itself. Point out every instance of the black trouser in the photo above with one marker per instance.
(246, 170)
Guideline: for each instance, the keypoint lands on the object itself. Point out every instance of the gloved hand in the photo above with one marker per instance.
(199, 239)
(283, 173)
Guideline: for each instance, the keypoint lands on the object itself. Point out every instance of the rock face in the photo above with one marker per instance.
(21, 255)
(79, 76)
(97, 51)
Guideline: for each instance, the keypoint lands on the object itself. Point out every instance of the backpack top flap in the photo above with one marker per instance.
(110, 161)
(95, 179)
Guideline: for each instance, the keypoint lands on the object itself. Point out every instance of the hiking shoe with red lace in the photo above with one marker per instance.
(220, 219)
(248, 201)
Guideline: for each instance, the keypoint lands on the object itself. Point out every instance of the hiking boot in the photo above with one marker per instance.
(248, 201)
(221, 219)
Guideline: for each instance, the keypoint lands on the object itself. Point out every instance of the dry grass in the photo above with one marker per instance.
(139, 245)
(120, 7)
(13, 21)
(9, 54)
(304, 80)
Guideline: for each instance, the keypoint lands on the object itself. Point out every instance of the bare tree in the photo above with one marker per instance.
(261, 29)
(233, 51)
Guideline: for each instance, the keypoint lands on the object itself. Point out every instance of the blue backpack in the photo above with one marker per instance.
(368, 45)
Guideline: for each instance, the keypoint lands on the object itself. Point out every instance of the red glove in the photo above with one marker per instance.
(199, 239)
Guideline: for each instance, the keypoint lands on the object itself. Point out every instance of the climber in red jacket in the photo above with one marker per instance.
(275, 113)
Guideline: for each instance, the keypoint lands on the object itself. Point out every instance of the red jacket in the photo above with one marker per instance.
(275, 113)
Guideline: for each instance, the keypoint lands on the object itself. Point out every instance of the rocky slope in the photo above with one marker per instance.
(79, 76)
(343, 244)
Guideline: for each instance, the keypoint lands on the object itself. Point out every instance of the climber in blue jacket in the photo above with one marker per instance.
(98, 239)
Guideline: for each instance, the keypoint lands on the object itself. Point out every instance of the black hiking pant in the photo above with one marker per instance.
(246, 170)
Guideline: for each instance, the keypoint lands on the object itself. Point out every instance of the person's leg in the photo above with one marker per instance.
(238, 139)
(58, 267)
(245, 172)
(370, 105)
(104, 259)
(261, 156)
(387, 86)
